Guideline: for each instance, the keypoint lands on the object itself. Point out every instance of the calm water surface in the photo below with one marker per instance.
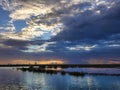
(18, 80)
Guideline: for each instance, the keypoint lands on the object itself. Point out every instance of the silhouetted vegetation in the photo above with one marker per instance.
(65, 65)
(43, 70)
(63, 72)
(77, 73)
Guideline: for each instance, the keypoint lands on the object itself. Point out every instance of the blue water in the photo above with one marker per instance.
(18, 80)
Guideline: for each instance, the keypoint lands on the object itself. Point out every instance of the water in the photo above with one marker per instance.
(18, 80)
(95, 70)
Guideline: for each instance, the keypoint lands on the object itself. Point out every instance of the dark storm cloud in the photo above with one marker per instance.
(91, 26)
(20, 44)
(102, 52)
(86, 35)
(115, 37)
(15, 53)
(12, 42)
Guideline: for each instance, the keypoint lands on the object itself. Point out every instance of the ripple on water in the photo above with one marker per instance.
(17, 80)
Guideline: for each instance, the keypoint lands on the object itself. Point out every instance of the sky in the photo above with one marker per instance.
(62, 31)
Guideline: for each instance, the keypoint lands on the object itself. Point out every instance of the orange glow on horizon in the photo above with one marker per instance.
(38, 62)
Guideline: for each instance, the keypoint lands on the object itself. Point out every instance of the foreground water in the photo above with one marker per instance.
(18, 80)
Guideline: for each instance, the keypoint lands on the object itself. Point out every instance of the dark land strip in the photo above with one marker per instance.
(64, 65)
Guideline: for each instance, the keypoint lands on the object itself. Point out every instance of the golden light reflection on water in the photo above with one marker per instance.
(17, 80)
(56, 69)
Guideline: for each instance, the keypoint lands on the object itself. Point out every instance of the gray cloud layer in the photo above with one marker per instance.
(73, 30)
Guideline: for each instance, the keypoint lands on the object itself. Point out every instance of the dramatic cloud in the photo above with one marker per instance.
(72, 30)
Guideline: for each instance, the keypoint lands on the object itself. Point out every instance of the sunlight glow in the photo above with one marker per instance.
(38, 62)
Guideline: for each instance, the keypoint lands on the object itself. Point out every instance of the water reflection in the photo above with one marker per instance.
(18, 80)
(95, 70)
